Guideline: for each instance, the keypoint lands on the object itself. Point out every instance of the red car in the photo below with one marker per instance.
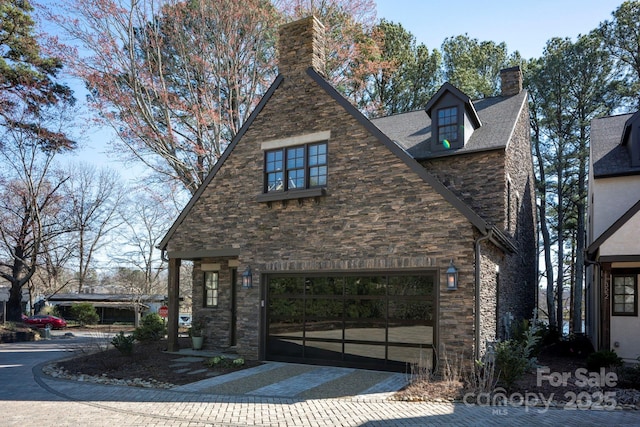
(42, 320)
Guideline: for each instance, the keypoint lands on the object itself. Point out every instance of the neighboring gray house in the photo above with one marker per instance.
(111, 308)
(613, 238)
(321, 236)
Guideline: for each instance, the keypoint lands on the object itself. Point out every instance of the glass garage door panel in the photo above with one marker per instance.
(286, 317)
(409, 286)
(365, 354)
(365, 320)
(410, 322)
(372, 321)
(411, 356)
(369, 286)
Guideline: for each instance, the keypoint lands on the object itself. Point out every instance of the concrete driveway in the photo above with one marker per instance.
(29, 398)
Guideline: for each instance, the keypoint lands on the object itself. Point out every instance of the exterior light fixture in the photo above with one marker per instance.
(452, 277)
(247, 278)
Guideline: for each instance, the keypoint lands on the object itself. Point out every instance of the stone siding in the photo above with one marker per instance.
(499, 186)
(377, 215)
(519, 272)
(478, 179)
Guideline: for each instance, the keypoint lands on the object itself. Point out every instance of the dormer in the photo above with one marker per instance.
(631, 138)
(453, 118)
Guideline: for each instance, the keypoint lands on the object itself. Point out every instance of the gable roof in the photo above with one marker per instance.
(499, 115)
(627, 128)
(609, 155)
(593, 247)
(496, 236)
(468, 105)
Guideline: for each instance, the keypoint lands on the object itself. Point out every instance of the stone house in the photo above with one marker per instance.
(324, 237)
(613, 248)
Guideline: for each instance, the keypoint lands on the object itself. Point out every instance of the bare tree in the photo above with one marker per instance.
(176, 80)
(52, 274)
(145, 221)
(94, 199)
(30, 211)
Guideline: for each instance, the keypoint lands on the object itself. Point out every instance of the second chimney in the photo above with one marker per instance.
(511, 81)
(301, 45)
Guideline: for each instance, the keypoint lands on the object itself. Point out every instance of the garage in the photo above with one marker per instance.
(368, 321)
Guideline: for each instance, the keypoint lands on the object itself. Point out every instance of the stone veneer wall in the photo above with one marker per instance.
(490, 258)
(519, 272)
(377, 215)
(217, 320)
(480, 180)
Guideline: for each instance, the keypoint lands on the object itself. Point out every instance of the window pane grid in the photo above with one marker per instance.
(450, 133)
(211, 289)
(296, 167)
(624, 295)
(448, 125)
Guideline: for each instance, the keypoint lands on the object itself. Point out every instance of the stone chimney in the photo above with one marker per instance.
(301, 45)
(511, 81)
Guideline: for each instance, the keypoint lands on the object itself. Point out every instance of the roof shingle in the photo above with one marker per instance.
(412, 130)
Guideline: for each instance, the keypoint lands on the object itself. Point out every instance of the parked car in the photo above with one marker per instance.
(42, 320)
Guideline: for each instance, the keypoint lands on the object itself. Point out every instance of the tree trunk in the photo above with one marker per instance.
(581, 232)
(560, 213)
(14, 305)
(544, 229)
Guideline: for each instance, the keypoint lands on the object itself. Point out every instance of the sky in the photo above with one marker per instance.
(524, 25)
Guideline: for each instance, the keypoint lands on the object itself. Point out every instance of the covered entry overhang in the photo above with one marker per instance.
(174, 259)
(612, 302)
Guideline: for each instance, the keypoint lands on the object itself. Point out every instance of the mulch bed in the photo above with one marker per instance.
(148, 361)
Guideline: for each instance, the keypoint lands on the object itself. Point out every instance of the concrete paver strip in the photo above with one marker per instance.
(295, 385)
(210, 383)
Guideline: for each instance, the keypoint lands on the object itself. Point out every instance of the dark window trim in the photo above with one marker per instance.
(455, 143)
(623, 273)
(291, 194)
(306, 167)
(453, 124)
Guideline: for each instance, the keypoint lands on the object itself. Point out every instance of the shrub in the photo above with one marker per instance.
(515, 357)
(152, 328)
(85, 313)
(124, 343)
(603, 359)
(629, 376)
(197, 328)
(51, 310)
(223, 362)
(481, 377)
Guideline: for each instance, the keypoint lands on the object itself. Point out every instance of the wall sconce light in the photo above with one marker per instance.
(247, 278)
(452, 277)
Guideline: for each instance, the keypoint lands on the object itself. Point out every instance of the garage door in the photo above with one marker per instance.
(366, 321)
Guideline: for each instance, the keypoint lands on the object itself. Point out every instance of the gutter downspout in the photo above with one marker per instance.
(479, 240)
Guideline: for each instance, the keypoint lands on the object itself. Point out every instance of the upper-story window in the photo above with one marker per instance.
(296, 168)
(448, 126)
